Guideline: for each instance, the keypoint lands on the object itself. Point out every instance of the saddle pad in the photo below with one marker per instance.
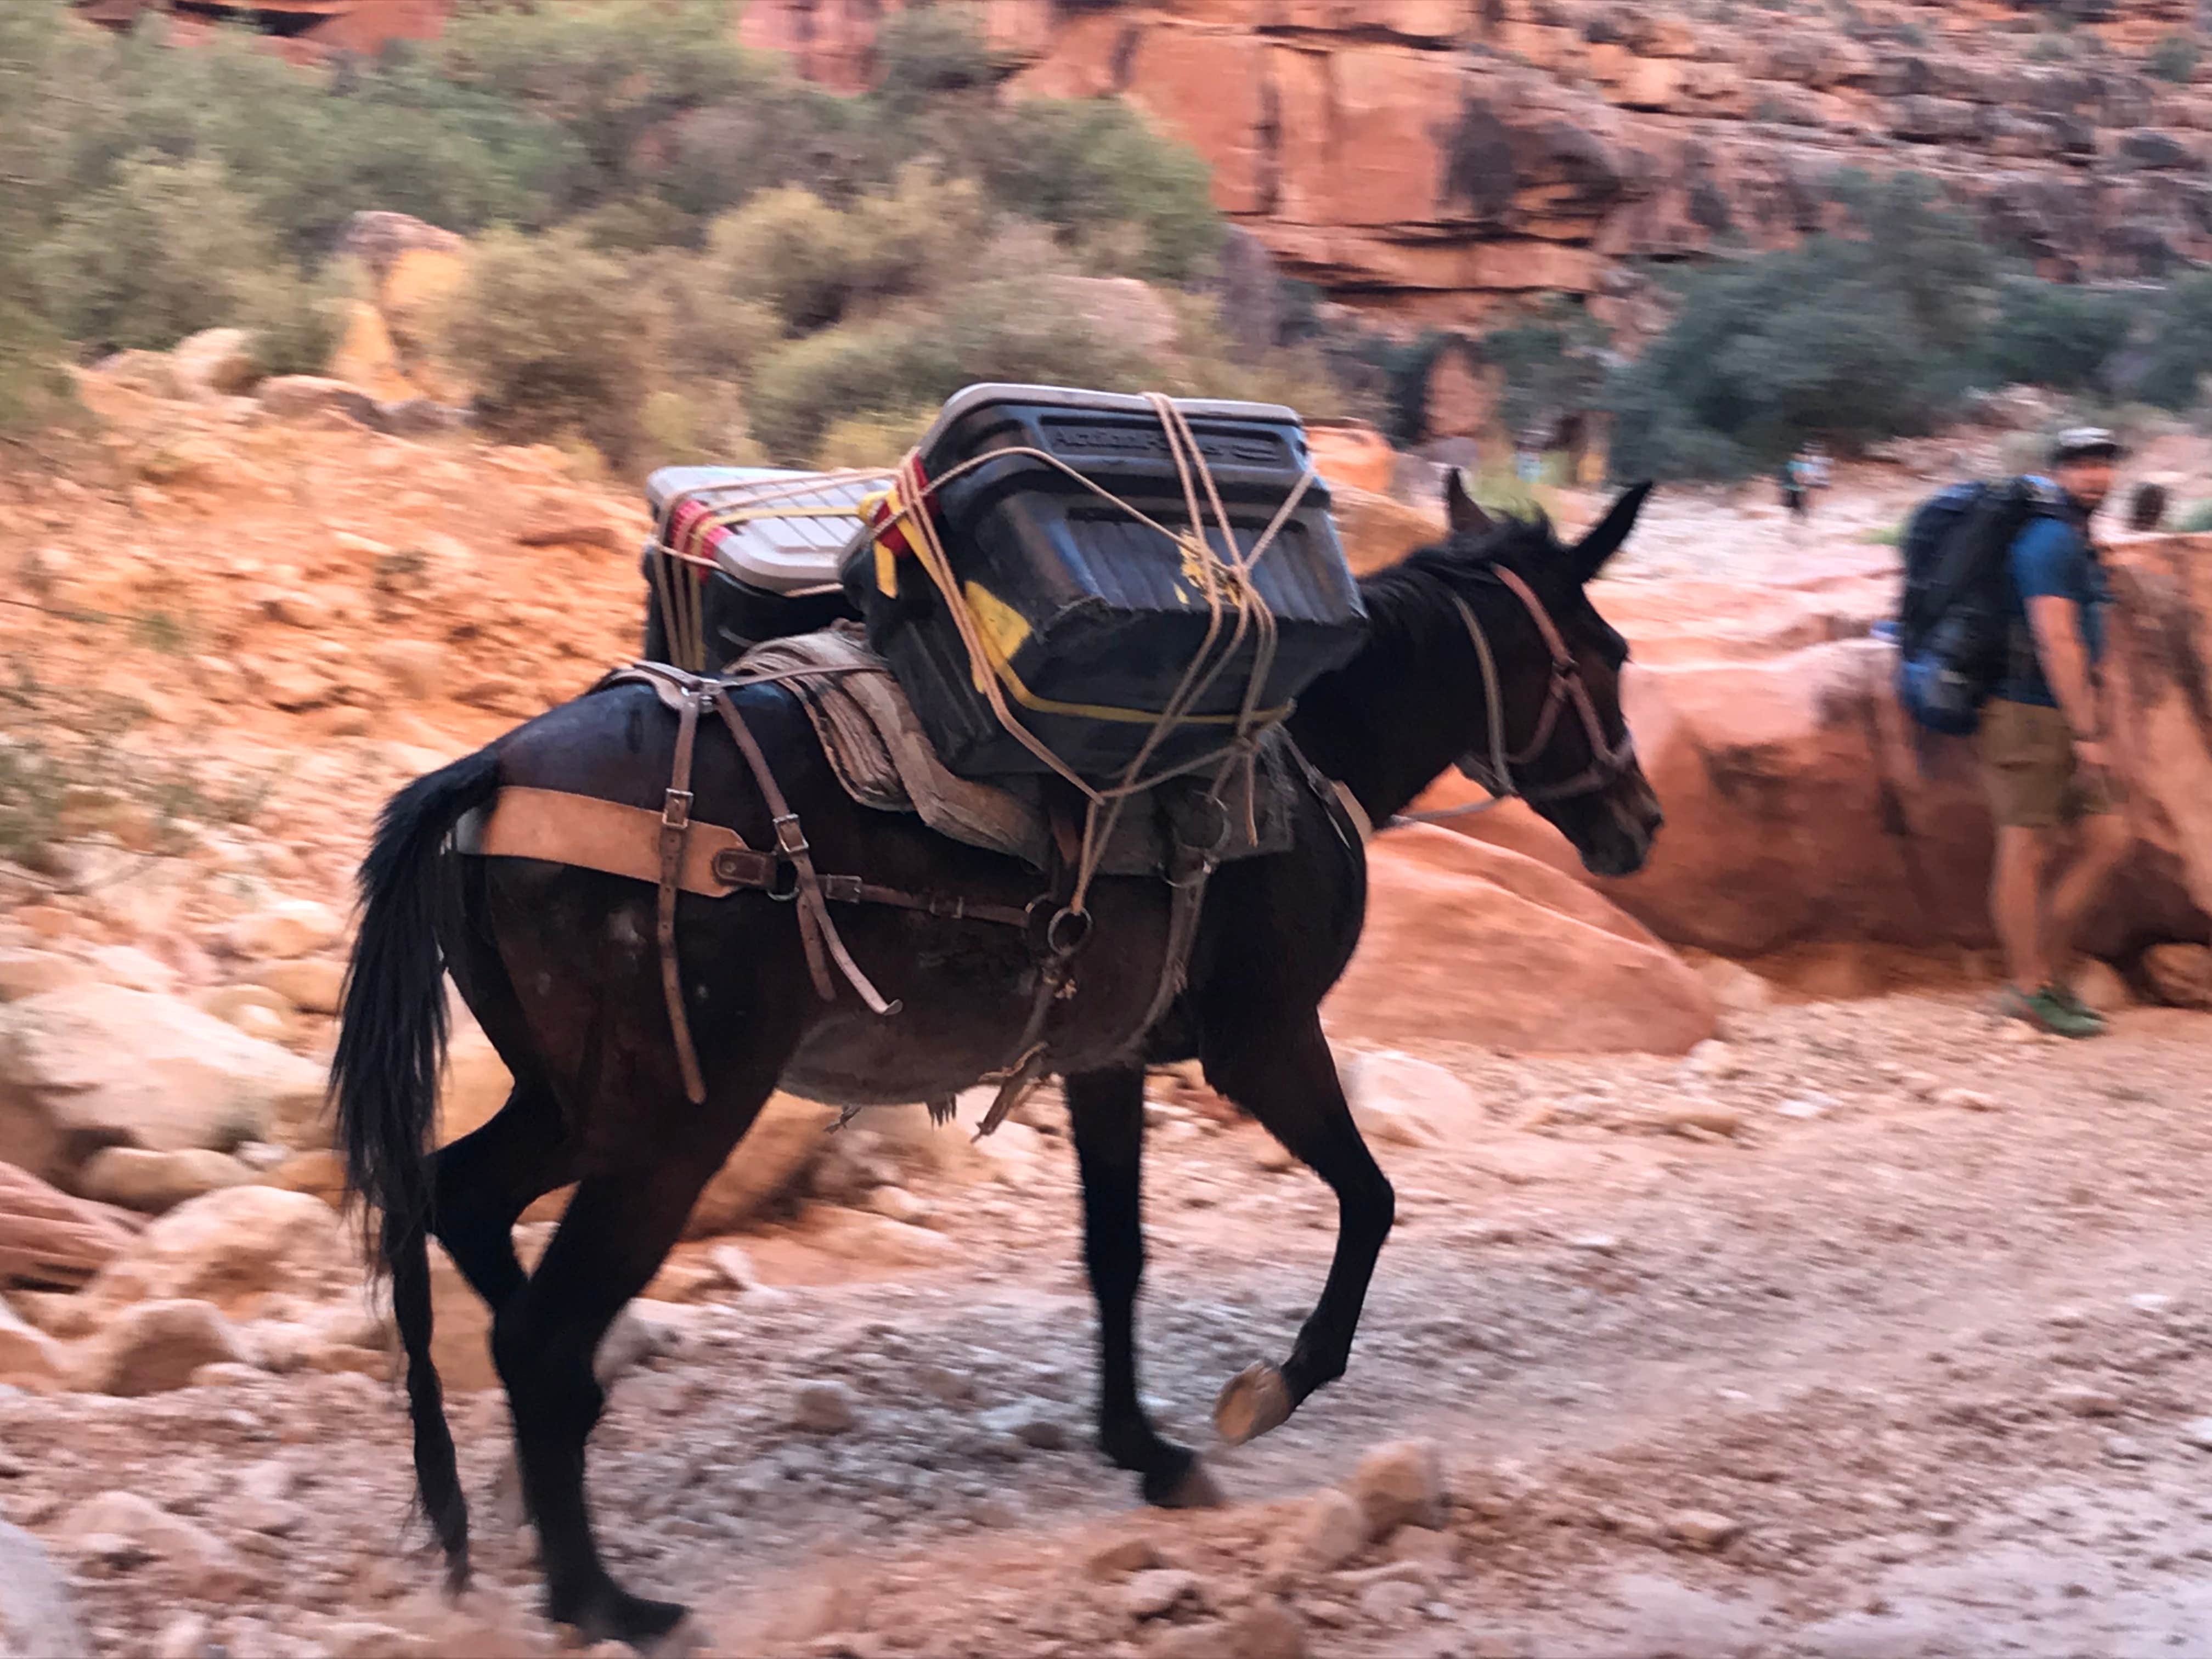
(877, 749)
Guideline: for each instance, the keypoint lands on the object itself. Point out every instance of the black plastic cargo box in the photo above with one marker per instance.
(775, 539)
(1092, 618)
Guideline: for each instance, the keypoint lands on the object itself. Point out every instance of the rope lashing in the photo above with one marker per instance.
(1226, 582)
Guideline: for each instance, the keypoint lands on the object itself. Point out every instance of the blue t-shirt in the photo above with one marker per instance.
(2052, 557)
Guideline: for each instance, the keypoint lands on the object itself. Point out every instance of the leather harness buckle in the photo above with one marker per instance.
(790, 838)
(676, 809)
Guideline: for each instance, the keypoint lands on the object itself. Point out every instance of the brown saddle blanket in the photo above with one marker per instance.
(879, 753)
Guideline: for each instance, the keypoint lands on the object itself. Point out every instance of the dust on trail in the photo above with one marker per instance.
(1928, 1332)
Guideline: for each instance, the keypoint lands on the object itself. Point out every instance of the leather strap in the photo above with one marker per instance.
(675, 833)
(624, 840)
(605, 835)
(816, 930)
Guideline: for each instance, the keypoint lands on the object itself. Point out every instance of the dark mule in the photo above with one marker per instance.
(560, 966)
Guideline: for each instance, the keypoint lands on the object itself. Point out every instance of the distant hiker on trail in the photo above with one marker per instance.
(1789, 480)
(1816, 468)
(1799, 477)
(2048, 740)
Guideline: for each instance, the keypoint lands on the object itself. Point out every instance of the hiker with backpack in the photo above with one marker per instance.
(2001, 632)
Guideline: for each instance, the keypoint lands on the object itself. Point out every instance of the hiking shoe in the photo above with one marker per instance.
(2047, 1013)
(2065, 997)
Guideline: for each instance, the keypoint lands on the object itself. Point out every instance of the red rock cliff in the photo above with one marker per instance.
(1431, 158)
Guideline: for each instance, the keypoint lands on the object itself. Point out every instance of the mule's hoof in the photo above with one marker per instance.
(686, 1638)
(1193, 1488)
(647, 1626)
(1252, 1403)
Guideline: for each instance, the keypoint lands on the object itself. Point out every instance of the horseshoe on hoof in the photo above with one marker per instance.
(1251, 1403)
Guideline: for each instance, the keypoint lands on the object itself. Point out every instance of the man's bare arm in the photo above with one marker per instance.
(2058, 625)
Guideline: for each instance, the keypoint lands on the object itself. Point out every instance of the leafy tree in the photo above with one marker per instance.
(2058, 335)
(609, 73)
(1853, 338)
(1552, 365)
(2170, 371)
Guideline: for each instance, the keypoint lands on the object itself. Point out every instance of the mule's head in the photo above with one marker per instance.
(1564, 745)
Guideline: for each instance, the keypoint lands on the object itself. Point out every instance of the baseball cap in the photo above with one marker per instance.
(2080, 442)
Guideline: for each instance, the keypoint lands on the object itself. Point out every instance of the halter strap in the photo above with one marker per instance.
(1607, 760)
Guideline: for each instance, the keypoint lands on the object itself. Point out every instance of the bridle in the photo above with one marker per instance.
(1607, 760)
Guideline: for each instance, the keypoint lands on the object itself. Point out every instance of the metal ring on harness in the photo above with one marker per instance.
(786, 874)
(1209, 813)
(1069, 931)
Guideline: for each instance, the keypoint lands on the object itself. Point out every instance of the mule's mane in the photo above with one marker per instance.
(1406, 602)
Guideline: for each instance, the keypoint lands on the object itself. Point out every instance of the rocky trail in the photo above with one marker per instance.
(1820, 1314)
(1867, 1330)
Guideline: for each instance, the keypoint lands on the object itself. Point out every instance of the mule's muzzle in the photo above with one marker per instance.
(1613, 830)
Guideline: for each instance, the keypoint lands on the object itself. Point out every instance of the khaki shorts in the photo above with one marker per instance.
(2028, 765)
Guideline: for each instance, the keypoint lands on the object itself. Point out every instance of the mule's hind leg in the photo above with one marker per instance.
(1287, 1079)
(479, 1184)
(1106, 1110)
(618, 1228)
(484, 1181)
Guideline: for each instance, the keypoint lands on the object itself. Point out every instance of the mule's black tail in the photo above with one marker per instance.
(384, 1078)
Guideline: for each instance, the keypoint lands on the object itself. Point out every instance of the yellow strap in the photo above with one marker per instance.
(1028, 699)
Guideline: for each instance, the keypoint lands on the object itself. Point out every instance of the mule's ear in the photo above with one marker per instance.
(1590, 553)
(1466, 518)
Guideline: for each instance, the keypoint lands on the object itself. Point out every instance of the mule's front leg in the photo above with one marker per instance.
(1287, 1079)
(1106, 1110)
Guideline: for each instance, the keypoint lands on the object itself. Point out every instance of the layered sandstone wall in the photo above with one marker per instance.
(1435, 159)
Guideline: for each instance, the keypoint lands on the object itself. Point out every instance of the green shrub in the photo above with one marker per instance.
(33, 389)
(802, 388)
(812, 262)
(712, 334)
(792, 250)
(925, 53)
(1852, 337)
(1551, 366)
(609, 73)
(1095, 171)
(696, 423)
(556, 339)
(2058, 335)
(2175, 358)
(879, 438)
(918, 356)
(163, 251)
(2174, 58)
(296, 321)
(146, 192)
(1206, 362)
(309, 148)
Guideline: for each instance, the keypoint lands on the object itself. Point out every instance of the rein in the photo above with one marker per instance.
(1607, 760)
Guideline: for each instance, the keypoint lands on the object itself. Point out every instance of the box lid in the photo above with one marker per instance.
(769, 528)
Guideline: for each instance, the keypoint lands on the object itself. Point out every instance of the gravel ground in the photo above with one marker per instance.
(1871, 1331)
